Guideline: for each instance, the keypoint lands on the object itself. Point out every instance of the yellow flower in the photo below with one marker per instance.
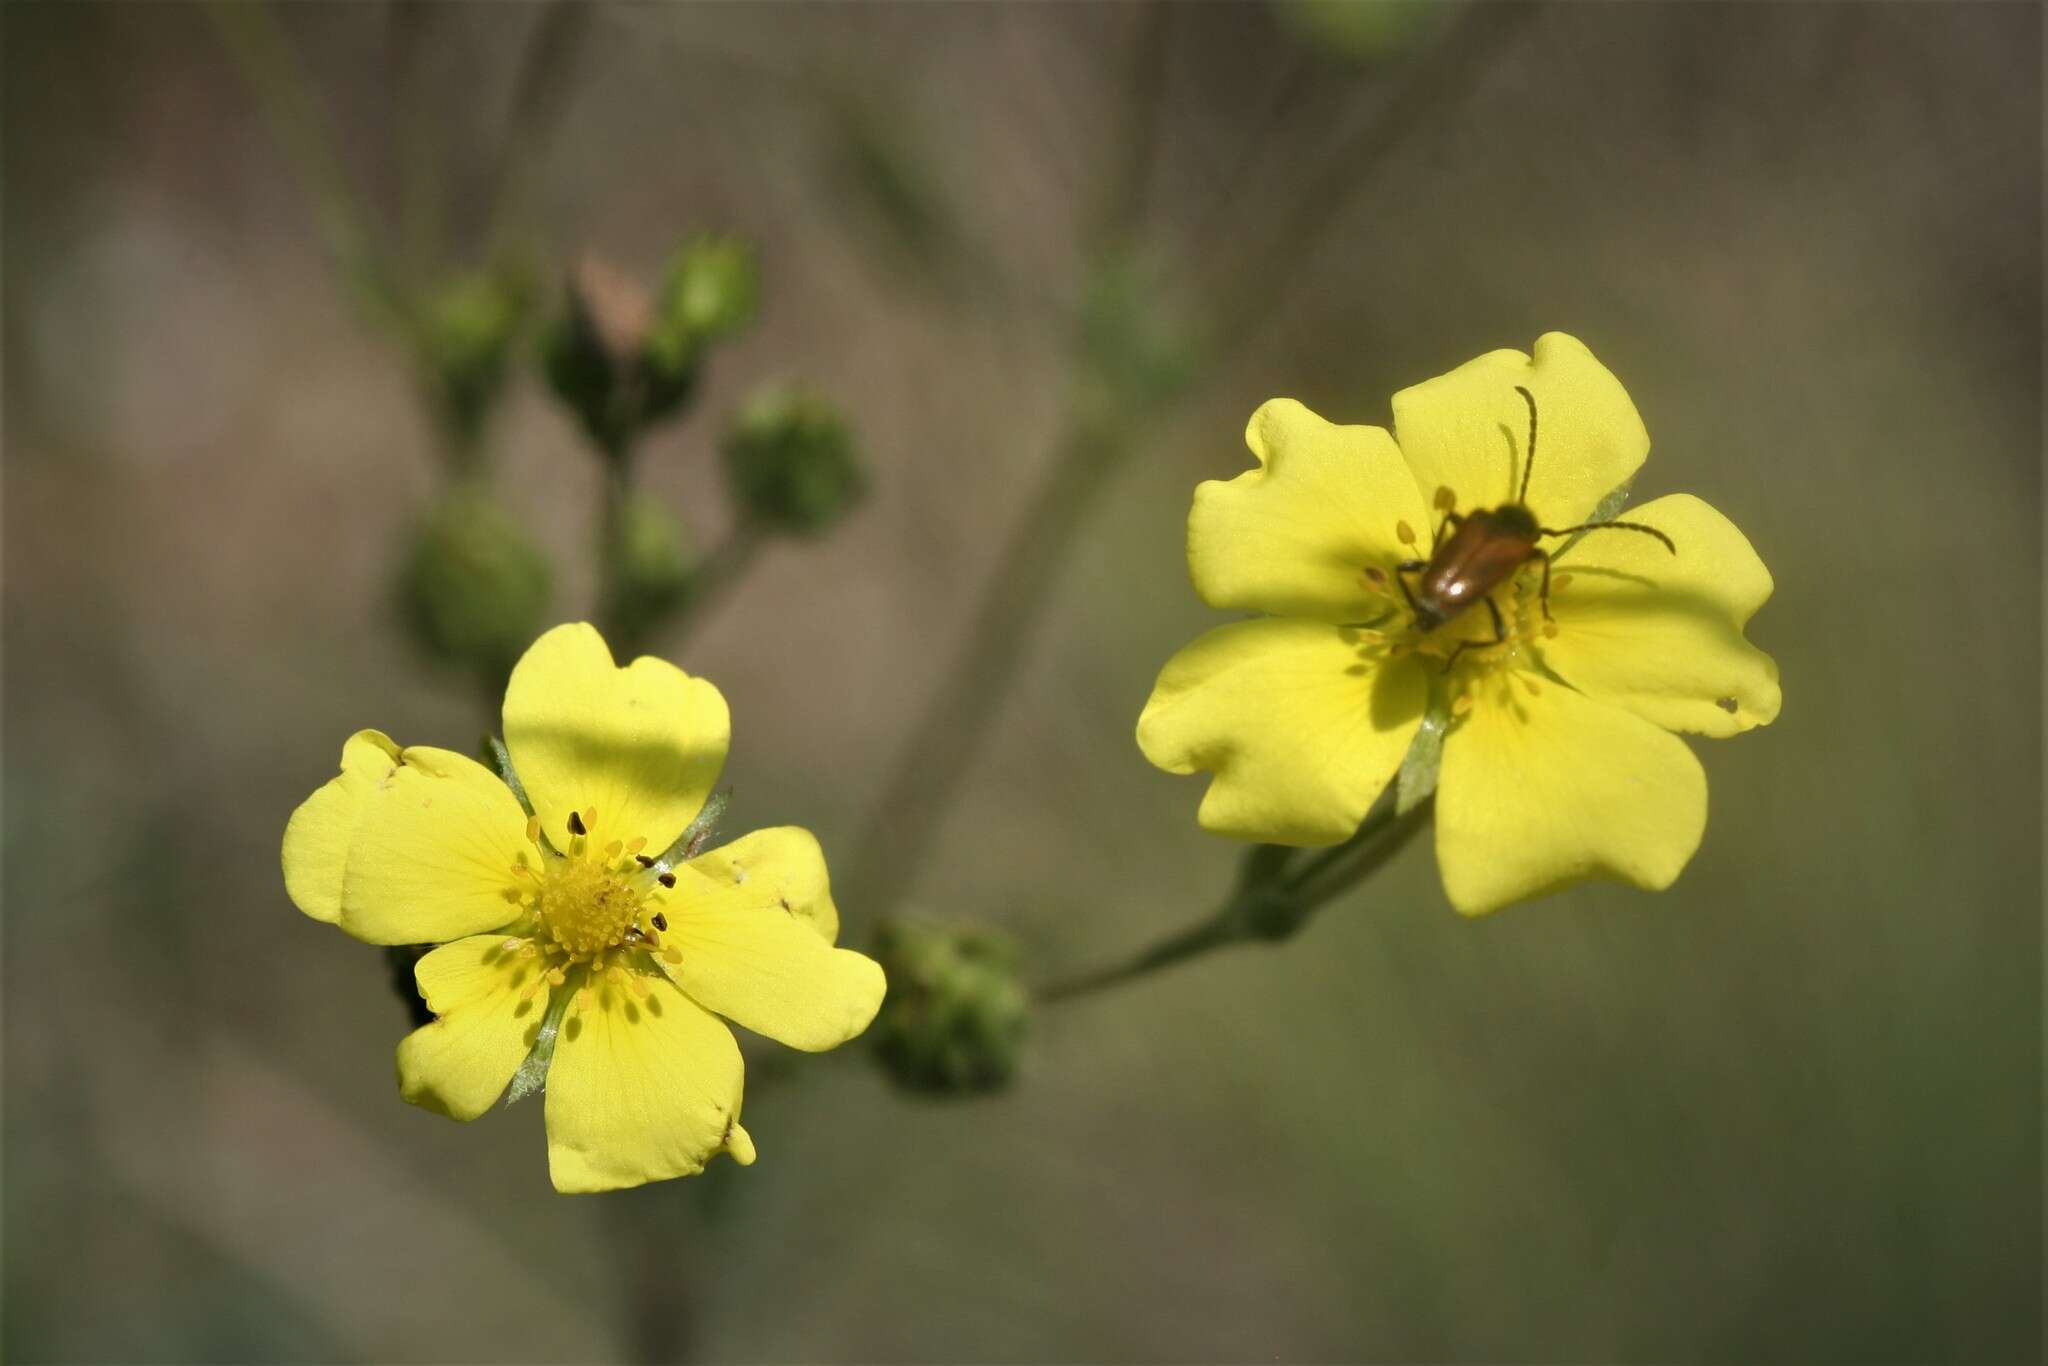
(1558, 758)
(570, 929)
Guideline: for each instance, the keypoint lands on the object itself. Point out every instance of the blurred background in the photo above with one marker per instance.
(283, 288)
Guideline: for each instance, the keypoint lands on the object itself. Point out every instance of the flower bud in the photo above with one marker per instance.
(473, 589)
(712, 290)
(1140, 351)
(955, 1016)
(791, 463)
(652, 565)
(466, 333)
(595, 357)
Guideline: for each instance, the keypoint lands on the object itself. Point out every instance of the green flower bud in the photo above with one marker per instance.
(1140, 352)
(466, 333)
(712, 290)
(791, 462)
(595, 358)
(955, 1016)
(1370, 33)
(652, 565)
(473, 589)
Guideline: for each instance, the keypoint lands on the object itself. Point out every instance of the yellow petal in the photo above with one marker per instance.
(792, 862)
(424, 842)
(748, 954)
(459, 1065)
(1294, 537)
(318, 837)
(1299, 721)
(1659, 633)
(640, 1090)
(642, 744)
(1466, 430)
(1540, 791)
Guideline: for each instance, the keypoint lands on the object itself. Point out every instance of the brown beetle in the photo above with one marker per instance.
(1484, 550)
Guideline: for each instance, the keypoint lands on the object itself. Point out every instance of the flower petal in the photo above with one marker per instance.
(641, 744)
(318, 837)
(1661, 634)
(1299, 721)
(424, 841)
(1540, 790)
(458, 1065)
(1465, 431)
(1293, 537)
(789, 857)
(737, 944)
(641, 1090)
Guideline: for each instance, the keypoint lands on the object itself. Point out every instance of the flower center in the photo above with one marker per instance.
(590, 909)
(587, 907)
(1475, 644)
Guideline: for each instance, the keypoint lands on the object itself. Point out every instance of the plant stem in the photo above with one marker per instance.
(949, 733)
(719, 573)
(956, 721)
(1269, 904)
(259, 48)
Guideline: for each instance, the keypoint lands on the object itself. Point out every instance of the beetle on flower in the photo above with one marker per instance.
(1562, 676)
(583, 941)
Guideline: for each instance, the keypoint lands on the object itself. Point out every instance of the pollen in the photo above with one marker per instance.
(587, 907)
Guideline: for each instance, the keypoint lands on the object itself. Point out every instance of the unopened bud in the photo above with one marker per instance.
(712, 290)
(652, 565)
(597, 357)
(466, 332)
(955, 1016)
(474, 587)
(792, 463)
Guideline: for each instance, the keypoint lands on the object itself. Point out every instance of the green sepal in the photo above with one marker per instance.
(500, 759)
(532, 1075)
(1607, 510)
(688, 844)
(1416, 782)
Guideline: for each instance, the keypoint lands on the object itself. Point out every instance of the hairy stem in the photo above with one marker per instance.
(1271, 902)
(266, 60)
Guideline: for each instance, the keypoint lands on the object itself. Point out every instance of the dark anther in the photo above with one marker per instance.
(660, 921)
(667, 879)
(645, 862)
(576, 824)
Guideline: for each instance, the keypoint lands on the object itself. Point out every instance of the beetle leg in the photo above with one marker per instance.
(1408, 567)
(1543, 597)
(1500, 635)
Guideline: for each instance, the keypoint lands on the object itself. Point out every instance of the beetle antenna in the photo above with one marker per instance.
(1529, 460)
(1616, 526)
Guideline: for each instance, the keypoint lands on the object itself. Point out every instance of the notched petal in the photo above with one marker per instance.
(1302, 724)
(1468, 431)
(641, 744)
(1294, 537)
(1661, 633)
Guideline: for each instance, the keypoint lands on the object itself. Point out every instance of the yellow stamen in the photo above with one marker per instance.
(1404, 533)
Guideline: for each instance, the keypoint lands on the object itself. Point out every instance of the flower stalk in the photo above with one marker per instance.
(1271, 902)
